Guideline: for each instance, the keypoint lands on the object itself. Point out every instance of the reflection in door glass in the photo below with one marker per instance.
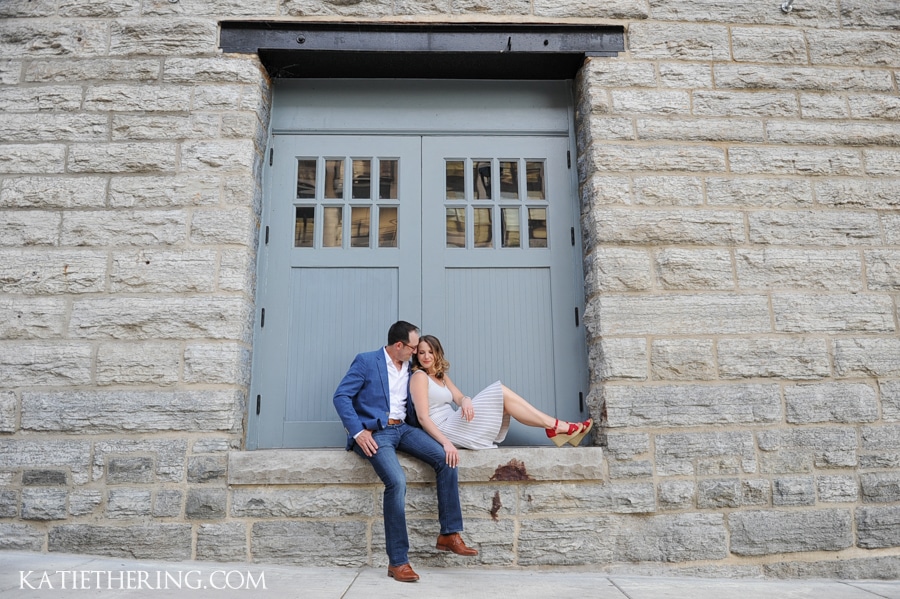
(509, 180)
(333, 227)
(304, 226)
(387, 227)
(456, 227)
(387, 179)
(359, 227)
(481, 179)
(456, 180)
(537, 227)
(484, 230)
(306, 179)
(509, 223)
(334, 179)
(362, 179)
(534, 176)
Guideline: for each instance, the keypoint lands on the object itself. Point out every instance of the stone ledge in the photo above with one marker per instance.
(336, 466)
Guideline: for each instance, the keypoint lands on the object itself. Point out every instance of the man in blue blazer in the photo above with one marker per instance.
(373, 403)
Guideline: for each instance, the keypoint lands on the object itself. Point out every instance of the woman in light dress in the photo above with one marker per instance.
(482, 421)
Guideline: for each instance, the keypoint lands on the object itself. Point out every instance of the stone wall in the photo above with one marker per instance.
(740, 186)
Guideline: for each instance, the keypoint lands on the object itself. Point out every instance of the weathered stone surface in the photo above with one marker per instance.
(53, 192)
(854, 48)
(83, 503)
(52, 271)
(232, 226)
(10, 71)
(616, 498)
(882, 163)
(768, 77)
(682, 359)
(858, 193)
(160, 271)
(771, 531)
(757, 491)
(616, 9)
(743, 104)
(128, 503)
(73, 455)
(21, 537)
(44, 478)
(163, 192)
(650, 102)
(833, 313)
(620, 358)
(668, 191)
(336, 501)
(715, 130)
(763, 193)
(831, 402)
(99, 8)
(878, 527)
(225, 542)
(617, 269)
(600, 191)
(794, 161)
(9, 410)
(162, 37)
(39, 159)
(601, 74)
(205, 504)
(217, 98)
(204, 469)
(718, 493)
(696, 227)
(795, 490)
(684, 75)
(820, 14)
(9, 504)
(43, 98)
(891, 225)
(44, 504)
(773, 358)
(881, 107)
(150, 541)
(217, 363)
(219, 156)
(843, 133)
(883, 269)
(777, 268)
(138, 364)
(167, 504)
(97, 412)
(237, 270)
(823, 106)
(33, 363)
(29, 228)
(71, 38)
(94, 69)
(890, 400)
(837, 489)
(695, 159)
(54, 127)
(122, 157)
(880, 487)
(700, 454)
(139, 318)
(129, 470)
(299, 542)
(800, 449)
(871, 568)
(694, 269)
(680, 314)
(219, 69)
(780, 46)
(676, 494)
(668, 41)
(159, 127)
(883, 438)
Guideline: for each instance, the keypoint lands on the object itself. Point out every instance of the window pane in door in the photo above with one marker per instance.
(509, 180)
(537, 227)
(387, 179)
(534, 177)
(484, 230)
(387, 227)
(362, 179)
(304, 226)
(334, 179)
(306, 179)
(359, 226)
(481, 179)
(509, 224)
(333, 227)
(456, 227)
(456, 180)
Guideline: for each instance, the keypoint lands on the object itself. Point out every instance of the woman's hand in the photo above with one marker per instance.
(452, 454)
(466, 410)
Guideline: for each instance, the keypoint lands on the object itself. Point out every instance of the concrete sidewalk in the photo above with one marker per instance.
(35, 575)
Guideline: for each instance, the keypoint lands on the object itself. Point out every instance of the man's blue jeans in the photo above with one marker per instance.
(421, 445)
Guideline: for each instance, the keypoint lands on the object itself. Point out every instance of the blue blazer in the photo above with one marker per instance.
(363, 399)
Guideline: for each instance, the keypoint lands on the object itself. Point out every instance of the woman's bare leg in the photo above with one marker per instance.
(516, 406)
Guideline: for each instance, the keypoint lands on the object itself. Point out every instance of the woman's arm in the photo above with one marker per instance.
(418, 388)
(464, 402)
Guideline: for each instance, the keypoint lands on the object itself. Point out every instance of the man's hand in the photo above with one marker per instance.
(367, 443)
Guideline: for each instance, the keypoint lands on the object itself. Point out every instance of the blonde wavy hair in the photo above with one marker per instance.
(441, 365)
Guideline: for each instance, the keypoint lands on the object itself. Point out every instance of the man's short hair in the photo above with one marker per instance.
(400, 331)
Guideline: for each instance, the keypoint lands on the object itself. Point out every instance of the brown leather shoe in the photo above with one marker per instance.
(454, 543)
(402, 573)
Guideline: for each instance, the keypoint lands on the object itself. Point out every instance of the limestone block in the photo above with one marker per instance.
(616, 498)
(9, 410)
(619, 358)
(96, 412)
(677, 41)
(881, 107)
(743, 104)
(32, 272)
(65, 38)
(694, 269)
(32, 158)
(879, 460)
(243, 125)
(128, 503)
(668, 191)
(780, 46)
(168, 454)
(602, 74)
(99, 8)
(74, 455)
(758, 193)
(831, 402)
(768, 532)
(617, 269)
(825, 79)
(205, 504)
(651, 227)
(776, 268)
(138, 364)
(855, 193)
(53, 192)
(170, 542)
(157, 127)
(882, 163)
(129, 470)
(878, 527)
(296, 542)
(691, 405)
(237, 271)
(676, 494)
(719, 493)
(820, 14)
(94, 69)
(137, 98)
(215, 445)
(880, 487)
(822, 447)
(795, 490)
(867, 357)
(366, 8)
(890, 400)
(698, 159)
(204, 469)
(220, 69)
(21, 537)
(164, 192)
(54, 127)
(811, 228)
(105, 228)
(43, 98)
(715, 130)
(866, 568)
(44, 504)
(651, 102)
(794, 161)
(162, 37)
(44, 478)
(615, 9)
(83, 503)
(167, 504)
(599, 191)
(824, 106)
(606, 128)
(232, 226)
(10, 71)
(226, 542)
(211, 8)
(138, 318)
(222, 363)
(884, 438)
(162, 271)
(625, 469)
(713, 454)
(757, 491)
(219, 155)
(337, 501)
(774, 358)
(832, 313)
(135, 157)
(29, 228)
(685, 75)
(883, 269)
(625, 446)
(33, 363)
(9, 504)
(713, 314)
(877, 14)
(837, 489)
(854, 48)
(682, 359)
(834, 134)
(891, 225)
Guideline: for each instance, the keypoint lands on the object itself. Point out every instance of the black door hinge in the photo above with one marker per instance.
(569, 158)
(262, 319)
(271, 155)
(580, 402)
(267, 235)
(577, 320)
(258, 404)
(572, 234)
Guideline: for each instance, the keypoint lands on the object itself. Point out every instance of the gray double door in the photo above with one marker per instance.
(470, 237)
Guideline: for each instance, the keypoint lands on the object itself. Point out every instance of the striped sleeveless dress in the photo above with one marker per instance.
(489, 426)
